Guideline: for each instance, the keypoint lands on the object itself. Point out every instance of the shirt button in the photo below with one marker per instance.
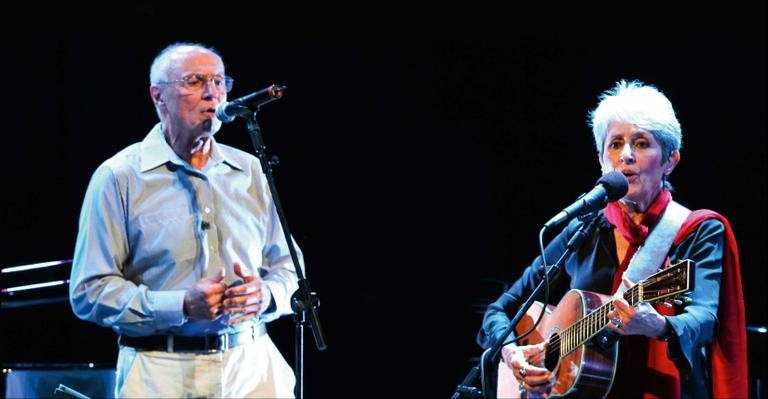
(207, 210)
(205, 225)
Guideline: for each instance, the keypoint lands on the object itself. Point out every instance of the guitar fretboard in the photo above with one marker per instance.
(671, 281)
(674, 280)
(572, 337)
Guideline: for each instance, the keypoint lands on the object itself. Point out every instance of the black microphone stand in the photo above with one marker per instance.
(303, 301)
(465, 389)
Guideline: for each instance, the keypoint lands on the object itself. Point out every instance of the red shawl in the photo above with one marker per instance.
(729, 350)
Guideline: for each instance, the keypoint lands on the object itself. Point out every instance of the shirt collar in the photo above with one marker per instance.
(221, 154)
(155, 151)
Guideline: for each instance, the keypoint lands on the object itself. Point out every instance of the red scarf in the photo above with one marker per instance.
(634, 233)
(729, 351)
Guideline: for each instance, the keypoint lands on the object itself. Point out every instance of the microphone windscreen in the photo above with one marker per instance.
(616, 185)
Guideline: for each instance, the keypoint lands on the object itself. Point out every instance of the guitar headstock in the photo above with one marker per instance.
(674, 280)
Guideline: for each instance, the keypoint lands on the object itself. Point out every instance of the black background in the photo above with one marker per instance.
(420, 155)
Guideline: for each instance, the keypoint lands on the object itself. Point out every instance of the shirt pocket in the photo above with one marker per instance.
(166, 238)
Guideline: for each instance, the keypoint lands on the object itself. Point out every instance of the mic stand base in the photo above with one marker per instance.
(466, 391)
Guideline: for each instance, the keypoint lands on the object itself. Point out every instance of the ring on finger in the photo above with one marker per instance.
(522, 371)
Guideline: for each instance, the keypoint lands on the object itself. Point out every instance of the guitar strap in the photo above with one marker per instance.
(652, 254)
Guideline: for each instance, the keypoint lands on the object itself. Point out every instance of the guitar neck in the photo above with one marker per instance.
(674, 280)
(583, 330)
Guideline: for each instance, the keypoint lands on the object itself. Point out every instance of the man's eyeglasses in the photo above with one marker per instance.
(197, 81)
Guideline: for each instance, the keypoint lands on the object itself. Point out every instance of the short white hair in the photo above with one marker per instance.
(158, 72)
(641, 105)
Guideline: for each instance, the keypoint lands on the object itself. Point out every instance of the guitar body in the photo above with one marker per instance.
(582, 368)
(586, 372)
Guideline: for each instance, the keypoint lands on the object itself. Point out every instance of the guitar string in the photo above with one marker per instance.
(597, 320)
(581, 331)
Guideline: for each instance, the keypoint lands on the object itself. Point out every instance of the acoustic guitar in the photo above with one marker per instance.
(581, 354)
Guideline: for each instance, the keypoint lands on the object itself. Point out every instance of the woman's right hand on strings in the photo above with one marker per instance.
(525, 362)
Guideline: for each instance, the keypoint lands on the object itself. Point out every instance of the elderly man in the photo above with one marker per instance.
(180, 250)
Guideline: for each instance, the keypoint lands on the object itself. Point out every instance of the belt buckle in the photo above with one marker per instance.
(222, 343)
(169, 343)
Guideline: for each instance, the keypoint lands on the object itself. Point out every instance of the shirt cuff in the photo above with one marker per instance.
(278, 305)
(669, 332)
(169, 308)
(271, 306)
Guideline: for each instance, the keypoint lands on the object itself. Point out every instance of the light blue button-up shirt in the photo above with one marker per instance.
(151, 226)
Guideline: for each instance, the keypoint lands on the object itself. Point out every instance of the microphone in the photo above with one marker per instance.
(245, 106)
(610, 187)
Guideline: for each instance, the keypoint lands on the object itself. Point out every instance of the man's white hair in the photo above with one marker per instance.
(158, 72)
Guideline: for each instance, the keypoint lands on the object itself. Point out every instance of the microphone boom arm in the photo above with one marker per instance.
(248, 105)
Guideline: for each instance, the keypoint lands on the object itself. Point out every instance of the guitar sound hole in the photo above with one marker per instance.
(552, 357)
